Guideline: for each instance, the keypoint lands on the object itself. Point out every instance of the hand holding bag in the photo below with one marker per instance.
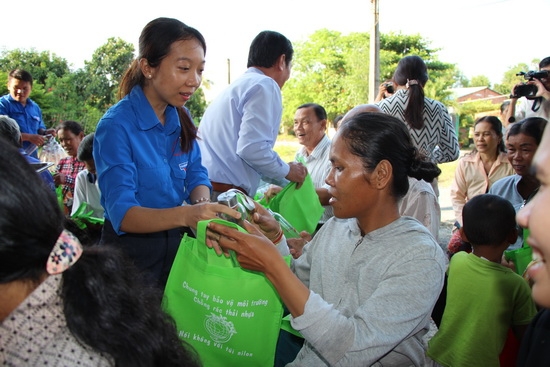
(301, 207)
(522, 256)
(230, 315)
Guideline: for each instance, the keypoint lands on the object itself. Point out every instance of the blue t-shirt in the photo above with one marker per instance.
(28, 117)
(507, 187)
(139, 161)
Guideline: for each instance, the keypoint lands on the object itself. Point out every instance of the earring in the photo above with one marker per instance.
(149, 76)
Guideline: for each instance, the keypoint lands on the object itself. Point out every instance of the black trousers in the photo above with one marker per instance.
(152, 253)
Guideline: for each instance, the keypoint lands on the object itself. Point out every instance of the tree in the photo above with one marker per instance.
(332, 70)
(197, 105)
(104, 72)
(480, 81)
(39, 64)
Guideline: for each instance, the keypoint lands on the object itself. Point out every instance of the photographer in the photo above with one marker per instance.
(385, 90)
(536, 106)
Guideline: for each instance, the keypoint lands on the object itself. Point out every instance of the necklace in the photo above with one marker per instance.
(530, 196)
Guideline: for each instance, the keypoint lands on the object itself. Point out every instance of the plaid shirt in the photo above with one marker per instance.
(69, 166)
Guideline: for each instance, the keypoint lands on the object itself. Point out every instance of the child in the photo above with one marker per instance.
(86, 189)
(484, 298)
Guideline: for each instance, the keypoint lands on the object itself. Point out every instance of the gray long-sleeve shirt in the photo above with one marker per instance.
(371, 296)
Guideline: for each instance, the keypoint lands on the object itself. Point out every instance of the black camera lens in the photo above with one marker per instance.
(525, 90)
(389, 88)
(537, 74)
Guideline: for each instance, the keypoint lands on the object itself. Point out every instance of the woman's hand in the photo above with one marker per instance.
(265, 222)
(254, 250)
(59, 179)
(508, 263)
(205, 211)
(296, 245)
(272, 191)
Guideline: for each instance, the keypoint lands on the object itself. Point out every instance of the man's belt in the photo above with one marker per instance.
(222, 187)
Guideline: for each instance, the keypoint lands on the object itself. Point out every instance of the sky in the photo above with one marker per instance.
(483, 37)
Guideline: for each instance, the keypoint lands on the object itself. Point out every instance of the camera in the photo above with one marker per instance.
(525, 90)
(533, 74)
(528, 91)
(389, 88)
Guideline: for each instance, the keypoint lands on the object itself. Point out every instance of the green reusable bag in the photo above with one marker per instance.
(522, 256)
(301, 207)
(231, 316)
(82, 217)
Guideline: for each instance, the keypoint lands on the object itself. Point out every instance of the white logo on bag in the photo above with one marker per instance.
(219, 328)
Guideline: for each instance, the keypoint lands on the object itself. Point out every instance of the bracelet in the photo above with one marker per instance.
(201, 200)
(278, 238)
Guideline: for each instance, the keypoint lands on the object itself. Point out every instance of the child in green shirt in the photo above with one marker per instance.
(484, 298)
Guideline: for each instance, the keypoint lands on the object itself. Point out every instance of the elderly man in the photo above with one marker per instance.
(310, 125)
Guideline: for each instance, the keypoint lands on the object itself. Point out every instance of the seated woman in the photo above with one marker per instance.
(70, 134)
(362, 292)
(61, 304)
(522, 142)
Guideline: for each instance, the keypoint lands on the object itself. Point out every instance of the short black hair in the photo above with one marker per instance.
(488, 219)
(544, 62)
(530, 126)
(85, 149)
(20, 74)
(319, 110)
(267, 47)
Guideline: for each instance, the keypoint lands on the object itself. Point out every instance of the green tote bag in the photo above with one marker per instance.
(522, 256)
(301, 207)
(230, 315)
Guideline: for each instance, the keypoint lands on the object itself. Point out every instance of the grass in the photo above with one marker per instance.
(287, 146)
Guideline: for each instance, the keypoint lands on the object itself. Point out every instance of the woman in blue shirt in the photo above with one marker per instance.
(147, 158)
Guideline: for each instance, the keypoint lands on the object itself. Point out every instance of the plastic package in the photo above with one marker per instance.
(52, 152)
(238, 200)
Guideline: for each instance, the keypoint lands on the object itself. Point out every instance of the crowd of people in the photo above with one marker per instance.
(371, 286)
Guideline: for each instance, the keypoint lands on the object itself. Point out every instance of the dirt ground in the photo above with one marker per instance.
(447, 216)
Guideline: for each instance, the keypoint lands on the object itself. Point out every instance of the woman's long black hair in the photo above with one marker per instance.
(155, 42)
(105, 304)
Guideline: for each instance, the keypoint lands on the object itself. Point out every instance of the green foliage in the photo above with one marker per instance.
(82, 95)
(3, 85)
(480, 81)
(197, 105)
(104, 72)
(329, 68)
(39, 64)
(510, 79)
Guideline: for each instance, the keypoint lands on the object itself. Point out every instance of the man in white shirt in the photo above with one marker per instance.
(310, 125)
(522, 107)
(239, 128)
